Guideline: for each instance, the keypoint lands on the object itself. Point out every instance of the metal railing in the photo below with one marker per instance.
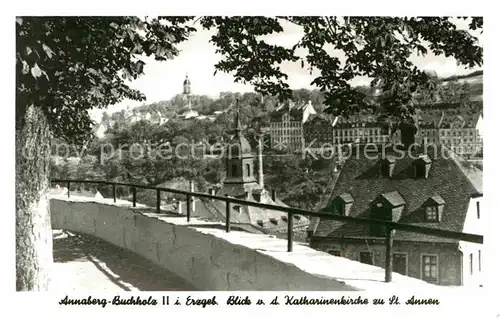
(390, 227)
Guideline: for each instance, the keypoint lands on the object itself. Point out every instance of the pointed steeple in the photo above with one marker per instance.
(237, 122)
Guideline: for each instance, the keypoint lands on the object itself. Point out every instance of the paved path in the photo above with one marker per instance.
(84, 263)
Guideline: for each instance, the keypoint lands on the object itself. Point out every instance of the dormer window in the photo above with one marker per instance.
(284, 218)
(260, 223)
(386, 207)
(387, 165)
(421, 167)
(434, 209)
(273, 221)
(342, 204)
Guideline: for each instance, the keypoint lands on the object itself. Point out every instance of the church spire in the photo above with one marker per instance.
(237, 122)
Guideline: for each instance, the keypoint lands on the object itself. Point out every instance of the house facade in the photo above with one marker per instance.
(417, 186)
(458, 129)
(361, 130)
(318, 132)
(287, 121)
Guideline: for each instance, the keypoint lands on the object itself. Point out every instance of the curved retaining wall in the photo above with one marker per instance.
(212, 259)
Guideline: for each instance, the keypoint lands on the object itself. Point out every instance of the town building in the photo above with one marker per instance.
(323, 131)
(431, 187)
(318, 132)
(241, 183)
(458, 129)
(361, 129)
(287, 125)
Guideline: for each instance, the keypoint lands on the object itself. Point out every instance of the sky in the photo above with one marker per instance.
(197, 57)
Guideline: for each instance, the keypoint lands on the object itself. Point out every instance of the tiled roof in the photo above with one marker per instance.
(266, 220)
(346, 197)
(362, 120)
(322, 117)
(444, 118)
(438, 199)
(294, 109)
(447, 182)
(394, 198)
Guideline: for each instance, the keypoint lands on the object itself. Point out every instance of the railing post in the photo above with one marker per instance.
(388, 254)
(134, 196)
(68, 187)
(228, 215)
(290, 232)
(114, 192)
(158, 200)
(188, 206)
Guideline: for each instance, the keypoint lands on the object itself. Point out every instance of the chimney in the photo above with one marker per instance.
(211, 191)
(273, 195)
(179, 207)
(261, 165)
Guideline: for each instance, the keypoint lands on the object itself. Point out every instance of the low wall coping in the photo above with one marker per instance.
(321, 264)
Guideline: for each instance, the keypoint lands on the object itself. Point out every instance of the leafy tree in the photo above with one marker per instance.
(376, 47)
(65, 66)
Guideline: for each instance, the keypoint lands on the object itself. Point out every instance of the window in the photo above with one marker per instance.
(420, 170)
(471, 263)
(335, 253)
(235, 170)
(430, 268)
(248, 170)
(399, 263)
(478, 210)
(366, 258)
(431, 213)
(338, 208)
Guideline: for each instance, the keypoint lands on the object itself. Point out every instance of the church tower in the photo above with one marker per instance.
(187, 91)
(240, 179)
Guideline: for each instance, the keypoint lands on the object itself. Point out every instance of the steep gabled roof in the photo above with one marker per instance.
(294, 109)
(271, 220)
(346, 197)
(362, 179)
(394, 198)
(437, 199)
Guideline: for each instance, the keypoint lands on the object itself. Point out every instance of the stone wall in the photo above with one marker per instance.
(212, 259)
